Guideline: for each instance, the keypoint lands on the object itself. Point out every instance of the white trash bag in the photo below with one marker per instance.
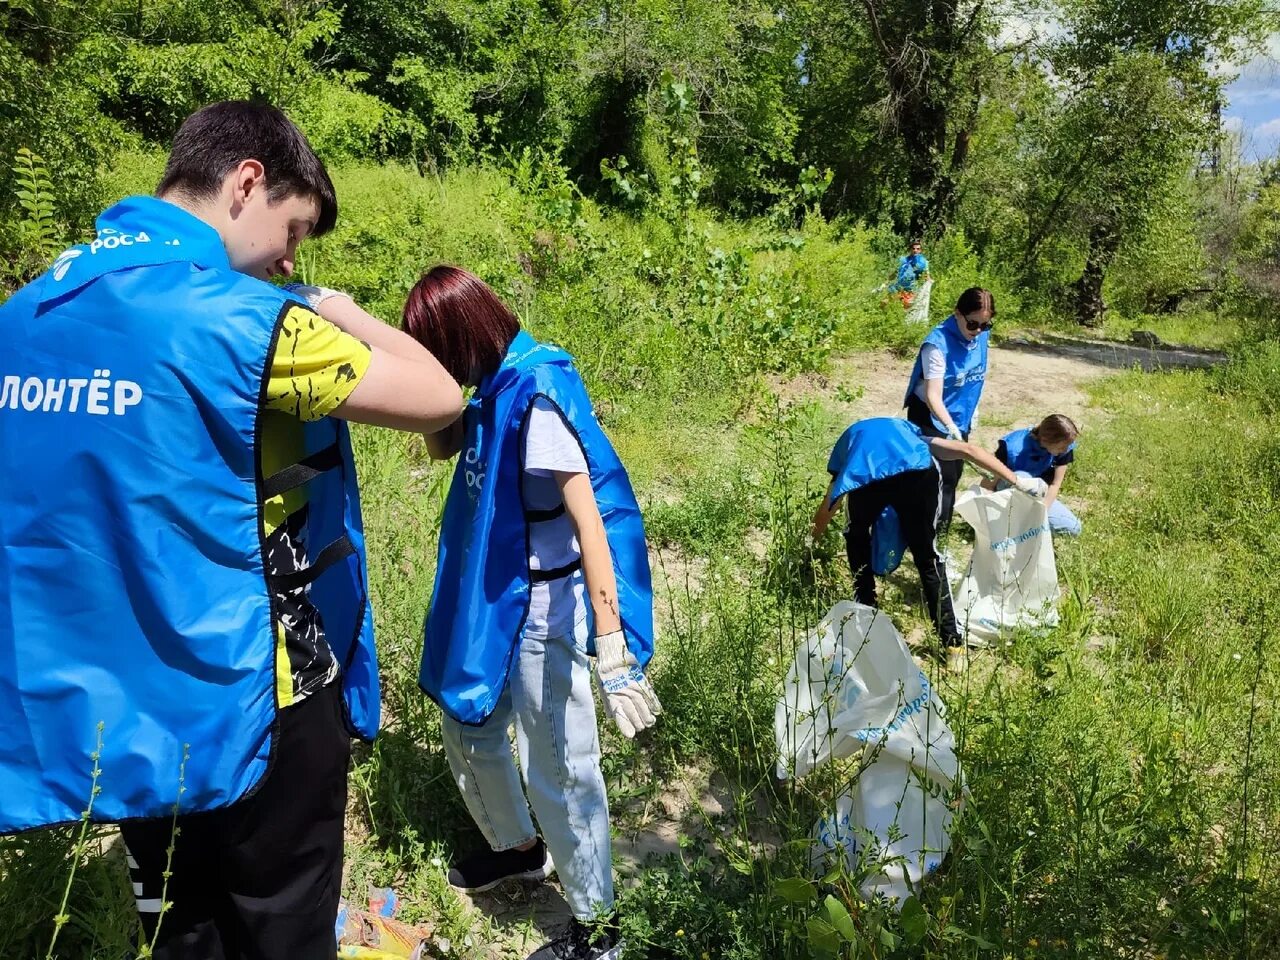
(918, 312)
(1012, 580)
(853, 687)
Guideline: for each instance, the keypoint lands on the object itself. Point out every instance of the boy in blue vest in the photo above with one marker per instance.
(182, 548)
(1044, 451)
(913, 270)
(889, 462)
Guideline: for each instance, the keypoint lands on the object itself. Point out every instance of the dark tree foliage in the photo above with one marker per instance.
(1054, 157)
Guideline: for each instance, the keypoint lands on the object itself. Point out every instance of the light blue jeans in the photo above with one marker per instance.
(549, 698)
(1062, 520)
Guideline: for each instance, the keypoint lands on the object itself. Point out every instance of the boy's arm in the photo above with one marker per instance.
(405, 387)
(403, 394)
(1002, 454)
(825, 512)
(345, 314)
(597, 563)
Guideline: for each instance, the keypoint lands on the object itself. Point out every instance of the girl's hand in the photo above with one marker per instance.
(627, 694)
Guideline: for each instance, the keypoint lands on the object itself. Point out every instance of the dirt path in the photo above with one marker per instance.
(1021, 388)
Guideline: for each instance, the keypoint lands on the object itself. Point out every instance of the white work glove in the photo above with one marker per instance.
(954, 433)
(1032, 486)
(626, 691)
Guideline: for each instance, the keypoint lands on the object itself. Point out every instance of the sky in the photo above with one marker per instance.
(1253, 104)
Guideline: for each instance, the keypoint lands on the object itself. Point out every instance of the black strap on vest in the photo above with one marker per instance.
(542, 516)
(295, 475)
(335, 552)
(555, 573)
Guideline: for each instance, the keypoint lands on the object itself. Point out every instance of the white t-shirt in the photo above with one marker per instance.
(933, 366)
(556, 606)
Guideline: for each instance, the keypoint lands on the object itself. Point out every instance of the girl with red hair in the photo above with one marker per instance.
(542, 566)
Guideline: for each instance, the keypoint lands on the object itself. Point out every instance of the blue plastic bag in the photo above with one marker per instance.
(887, 543)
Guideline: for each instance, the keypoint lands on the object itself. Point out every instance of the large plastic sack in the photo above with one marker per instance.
(918, 307)
(854, 689)
(887, 543)
(1012, 581)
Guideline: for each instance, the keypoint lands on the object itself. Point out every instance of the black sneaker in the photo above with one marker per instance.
(579, 943)
(485, 870)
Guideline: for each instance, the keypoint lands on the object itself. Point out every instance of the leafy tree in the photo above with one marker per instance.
(1142, 93)
(1256, 285)
(893, 90)
(52, 54)
(738, 62)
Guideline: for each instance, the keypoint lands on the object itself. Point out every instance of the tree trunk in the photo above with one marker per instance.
(920, 59)
(1089, 304)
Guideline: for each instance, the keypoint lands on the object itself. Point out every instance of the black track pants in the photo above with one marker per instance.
(260, 879)
(916, 497)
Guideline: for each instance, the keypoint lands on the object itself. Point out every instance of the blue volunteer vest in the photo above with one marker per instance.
(481, 596)
(134, 591)
(872, 450)
(965, 374)
(1027, 455)
(910, 269)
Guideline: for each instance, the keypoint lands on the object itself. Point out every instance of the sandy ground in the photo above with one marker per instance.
(1022, 387)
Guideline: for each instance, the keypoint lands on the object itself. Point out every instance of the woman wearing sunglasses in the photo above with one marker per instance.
(946, 382)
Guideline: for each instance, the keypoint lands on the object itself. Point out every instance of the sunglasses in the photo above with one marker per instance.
(977, 326)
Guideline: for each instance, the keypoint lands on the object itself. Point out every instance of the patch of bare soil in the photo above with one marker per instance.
(1022, 387)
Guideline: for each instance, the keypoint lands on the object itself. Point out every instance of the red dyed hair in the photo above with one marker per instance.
(458, 317)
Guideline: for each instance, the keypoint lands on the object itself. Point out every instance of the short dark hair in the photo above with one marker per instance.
(458, 317)
(975, 299)
(215, 139)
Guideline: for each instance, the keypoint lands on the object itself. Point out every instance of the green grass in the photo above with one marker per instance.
(1124, 770)
(1190, 327)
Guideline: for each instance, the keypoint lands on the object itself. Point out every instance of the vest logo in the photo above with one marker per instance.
(473, 472)
(63, 263)
(101, 395)
(109, 239)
